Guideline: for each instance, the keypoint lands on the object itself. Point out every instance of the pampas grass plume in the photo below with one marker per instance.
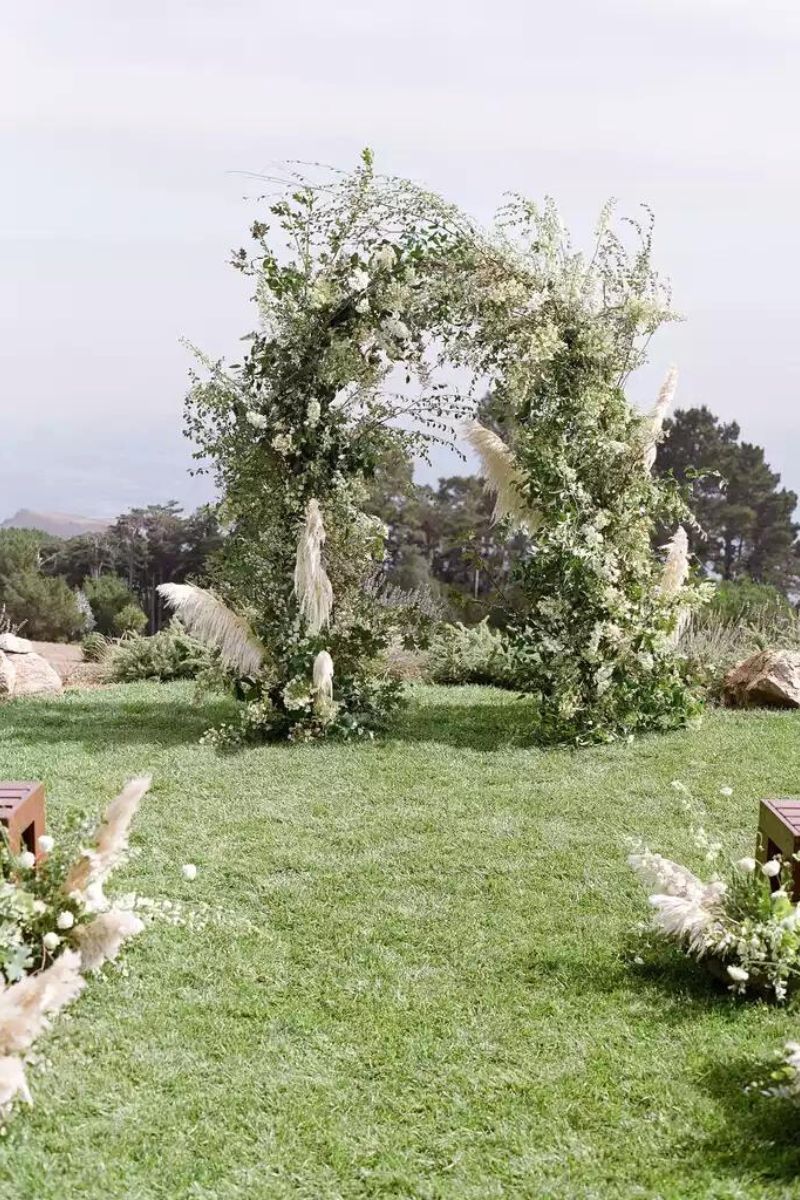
(311, 583)
(12, 1081)
(676, 565)
(212, 622)
(94, 866)
(501, 475)
(662, 405)
(322, 675)
(24, 1006)
(100, 940)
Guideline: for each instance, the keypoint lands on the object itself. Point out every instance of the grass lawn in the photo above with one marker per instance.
(420, 985)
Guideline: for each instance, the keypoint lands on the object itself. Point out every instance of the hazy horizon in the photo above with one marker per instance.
(128, 136)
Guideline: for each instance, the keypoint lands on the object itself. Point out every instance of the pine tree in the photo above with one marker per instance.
(746, 527)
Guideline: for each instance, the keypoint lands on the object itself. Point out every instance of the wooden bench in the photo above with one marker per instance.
(22, 813)
(779, 833)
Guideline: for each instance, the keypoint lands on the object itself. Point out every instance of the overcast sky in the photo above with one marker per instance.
(127, 130)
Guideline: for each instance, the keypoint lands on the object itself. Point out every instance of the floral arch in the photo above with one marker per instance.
(360, 279)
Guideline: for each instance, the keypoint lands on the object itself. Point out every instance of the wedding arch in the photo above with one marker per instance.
(370, 293)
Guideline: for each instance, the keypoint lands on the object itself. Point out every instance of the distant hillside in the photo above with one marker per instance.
(56, 524)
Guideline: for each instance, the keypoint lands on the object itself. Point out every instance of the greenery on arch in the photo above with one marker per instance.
(360, 280)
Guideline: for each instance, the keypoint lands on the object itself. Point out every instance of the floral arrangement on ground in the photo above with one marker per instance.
(740, 922)
(56, 926)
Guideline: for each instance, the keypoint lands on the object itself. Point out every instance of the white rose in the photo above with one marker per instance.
(50, 941)
(256, 419)
(39, 907)
(746, 864)
(738, 974)
(45, 843)
(189, 871)
(771, 868)
(65, 920)
(27, 860)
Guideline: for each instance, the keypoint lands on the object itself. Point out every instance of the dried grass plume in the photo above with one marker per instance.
(662, 405)
(501, 476)
(676, 565)
(90, 871)
(100, 940)
(25, 1006)
(12, 1081)
(311, 583)
(212, 622)
(322, 675)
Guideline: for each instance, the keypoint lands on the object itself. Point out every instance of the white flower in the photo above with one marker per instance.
(396, 328)
(747, 864)
(256, 419)
(189, 871)
(39, 907)
(313, 412)
(385, 257)
(45, 843)
(50, 941)
(362, 305)
(283, 443)
(359, 280)
(26, 860)
(726, 791)
(738, 974)
(780, 894)
(771, 868)
(65, 920)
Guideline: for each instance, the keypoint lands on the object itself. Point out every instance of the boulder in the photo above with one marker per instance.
(8, 675)
(34, 675)
(770, 677)
(10, 644)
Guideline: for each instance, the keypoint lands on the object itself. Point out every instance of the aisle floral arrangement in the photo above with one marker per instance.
(56, 925)
(740, 921)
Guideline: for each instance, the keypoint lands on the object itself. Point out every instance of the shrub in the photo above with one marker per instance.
(130, 619)
(43, 608)
(745, 600)
(108, 595)
(94, 646)
(169, 654)
(464, 654)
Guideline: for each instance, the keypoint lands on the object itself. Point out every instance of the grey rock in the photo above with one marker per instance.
(34, 675)
(11, 644)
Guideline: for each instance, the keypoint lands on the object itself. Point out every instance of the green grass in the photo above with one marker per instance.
(421, 986)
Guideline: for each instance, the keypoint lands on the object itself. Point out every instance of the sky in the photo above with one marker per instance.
(130, 134)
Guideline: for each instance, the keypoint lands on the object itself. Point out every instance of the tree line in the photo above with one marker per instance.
(440, 540)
